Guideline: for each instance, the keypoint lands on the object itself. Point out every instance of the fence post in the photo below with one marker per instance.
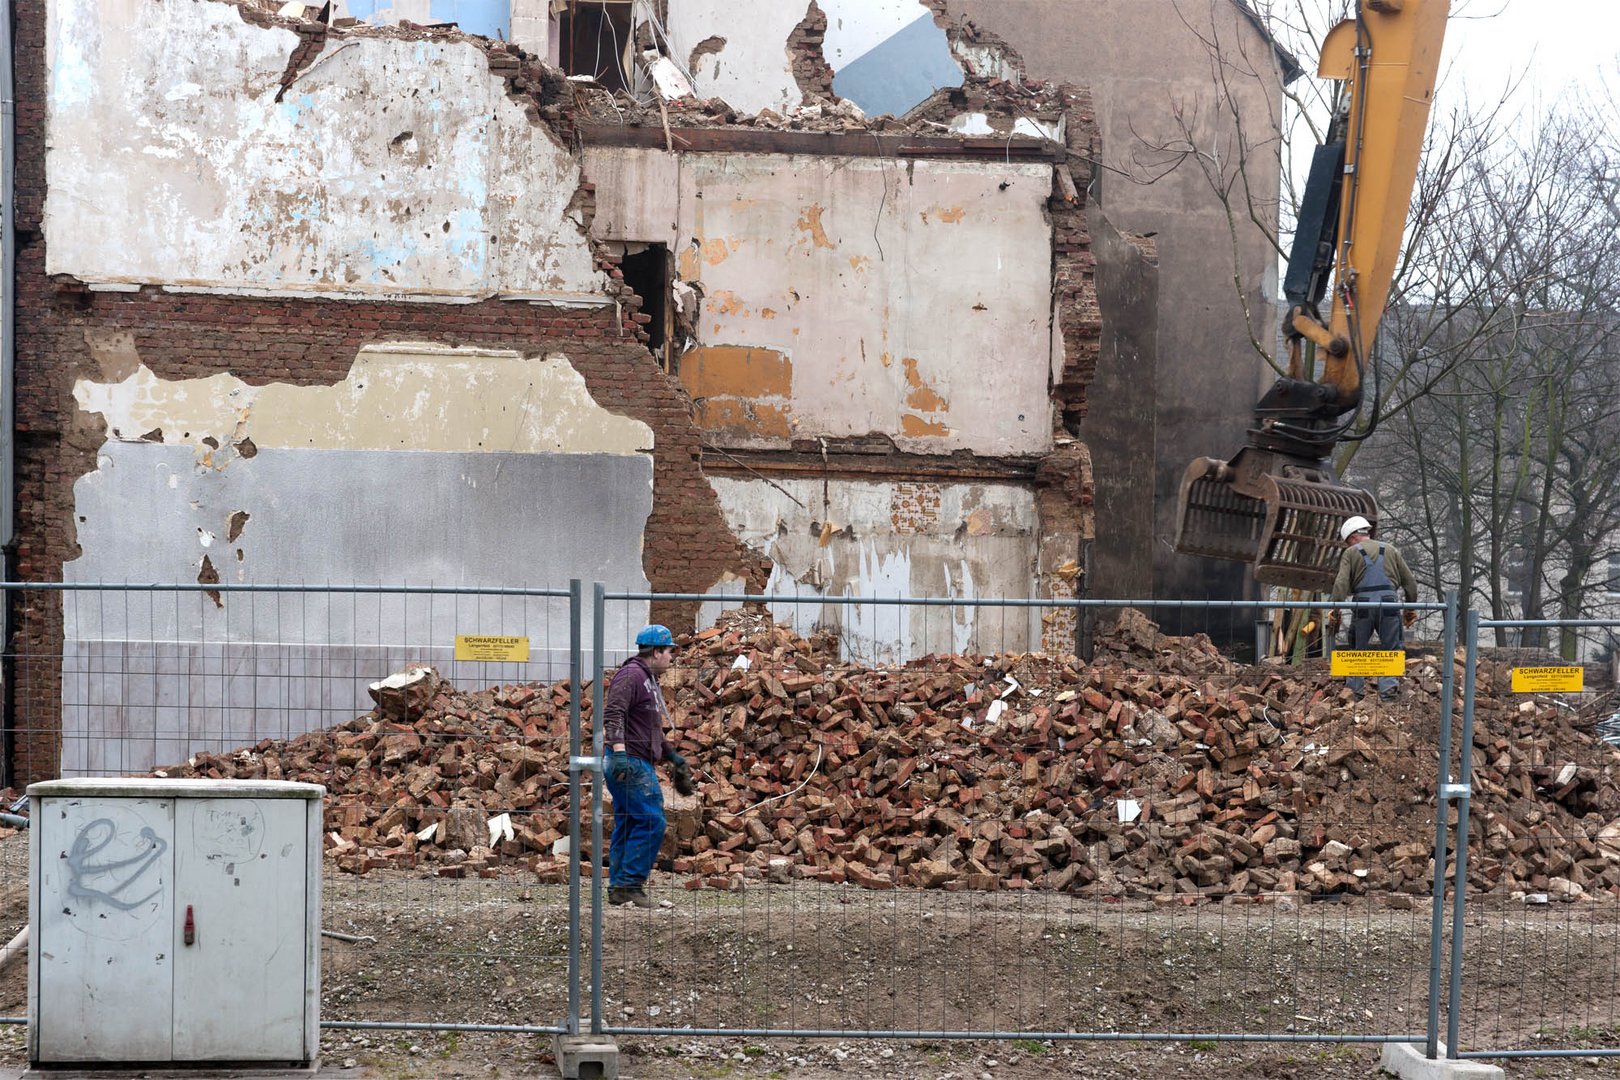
(598, 664)
(1465, 772)
(1448, 663)
(576, 668)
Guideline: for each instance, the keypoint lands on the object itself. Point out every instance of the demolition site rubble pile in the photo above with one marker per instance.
(1159, 769)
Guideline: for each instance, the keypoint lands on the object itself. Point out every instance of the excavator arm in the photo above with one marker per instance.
(1278, 504)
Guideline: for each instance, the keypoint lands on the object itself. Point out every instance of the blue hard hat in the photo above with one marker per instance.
(656, 636)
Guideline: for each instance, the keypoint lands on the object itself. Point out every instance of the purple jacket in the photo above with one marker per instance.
(633, 712)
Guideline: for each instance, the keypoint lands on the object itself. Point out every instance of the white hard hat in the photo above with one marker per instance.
(1354, 525)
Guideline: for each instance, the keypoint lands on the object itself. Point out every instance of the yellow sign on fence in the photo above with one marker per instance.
(1364, 662)
(491, 649)
(1549, 680)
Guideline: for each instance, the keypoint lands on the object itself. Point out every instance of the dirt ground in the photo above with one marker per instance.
(815, 957)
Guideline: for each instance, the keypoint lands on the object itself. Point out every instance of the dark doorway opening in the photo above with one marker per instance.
(648, 272)
(594, 37)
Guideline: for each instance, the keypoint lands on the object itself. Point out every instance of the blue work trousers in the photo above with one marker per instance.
(638, 824)
(1391, 635)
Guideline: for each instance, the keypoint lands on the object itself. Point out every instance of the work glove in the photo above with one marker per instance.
(682, 776)
(680, 772)
(1409, 619)
(1334, 623)
(618, 765)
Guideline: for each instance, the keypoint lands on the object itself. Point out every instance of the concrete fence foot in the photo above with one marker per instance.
(588, 1057)
(1406, 1061)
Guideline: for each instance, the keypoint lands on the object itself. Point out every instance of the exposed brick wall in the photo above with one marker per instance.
(810, 68)
(1074, 270)
(1064, 492)
(304, 342)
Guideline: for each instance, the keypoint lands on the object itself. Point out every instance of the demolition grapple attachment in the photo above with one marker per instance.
(1279, 513)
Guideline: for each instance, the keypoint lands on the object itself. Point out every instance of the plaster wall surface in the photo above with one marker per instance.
(751, 72)
(843, 297)
(893, 539)
(275, 483)
(148, 678)
(1149, 65)
(387, 168)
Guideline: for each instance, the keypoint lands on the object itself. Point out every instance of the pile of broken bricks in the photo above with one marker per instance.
(1160, 769)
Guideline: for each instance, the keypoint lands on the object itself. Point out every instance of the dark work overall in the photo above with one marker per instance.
(1375, 586)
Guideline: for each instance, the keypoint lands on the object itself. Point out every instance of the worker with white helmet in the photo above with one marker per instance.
(1369, 571)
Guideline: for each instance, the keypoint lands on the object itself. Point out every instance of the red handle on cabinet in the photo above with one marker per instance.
(191, 927)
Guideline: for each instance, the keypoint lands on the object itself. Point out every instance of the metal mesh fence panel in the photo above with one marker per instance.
(930, 818)
(437, 719)
(1538, 973)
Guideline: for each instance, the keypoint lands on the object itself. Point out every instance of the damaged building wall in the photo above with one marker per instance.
(265, 483)
(1157, 81)
(345, 422)
(872, 334)
(844, 297)
(885, 55)
(745, 61)
(894, 538)
(400, 167)
(1155, 68)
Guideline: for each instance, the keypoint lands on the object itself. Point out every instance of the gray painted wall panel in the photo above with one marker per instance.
(150, 678)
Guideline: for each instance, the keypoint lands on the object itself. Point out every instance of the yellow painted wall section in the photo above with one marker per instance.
(406, 396)
(736, 371)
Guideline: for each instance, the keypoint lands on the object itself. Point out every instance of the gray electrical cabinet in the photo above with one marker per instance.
(174, 921)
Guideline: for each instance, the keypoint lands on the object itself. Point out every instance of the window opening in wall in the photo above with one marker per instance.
(1612, 578)
(646, 269)
(595, 39)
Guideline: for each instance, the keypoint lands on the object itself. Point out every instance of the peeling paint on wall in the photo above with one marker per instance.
(390, 167)
(403, 396)
(752, 72)
(332, 484)
(854, 278)
(906, 538)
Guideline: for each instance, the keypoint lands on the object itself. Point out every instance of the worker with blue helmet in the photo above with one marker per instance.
(633, 731)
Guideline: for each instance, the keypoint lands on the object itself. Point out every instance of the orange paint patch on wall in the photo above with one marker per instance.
(810, 224)
(950, 214)
(859, 262)
(725, 302)
(911, 424)
(922, 397)
(718, 251)
(688, 262)
(736, 371)
(736, 417)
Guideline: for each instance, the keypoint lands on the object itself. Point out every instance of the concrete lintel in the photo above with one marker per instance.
(583, 1057)
(1406, 1061)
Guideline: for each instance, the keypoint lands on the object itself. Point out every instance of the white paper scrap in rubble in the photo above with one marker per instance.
(997, 707)
(426, 835)
(1012, 685)
(740, 664)
(1129, 810)
(500, 828)
(670, 80)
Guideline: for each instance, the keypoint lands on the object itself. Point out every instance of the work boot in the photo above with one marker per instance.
(630, 895)
(1390, 695)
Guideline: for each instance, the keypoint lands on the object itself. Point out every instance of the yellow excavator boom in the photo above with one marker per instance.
(1277, 504)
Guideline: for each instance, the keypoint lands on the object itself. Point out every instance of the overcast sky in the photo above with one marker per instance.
(1553, 42)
